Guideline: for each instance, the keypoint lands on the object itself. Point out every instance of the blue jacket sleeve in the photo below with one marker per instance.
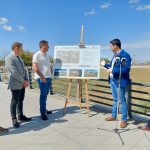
(107, 66)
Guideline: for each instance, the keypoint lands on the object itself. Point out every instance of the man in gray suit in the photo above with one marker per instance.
(18, 81)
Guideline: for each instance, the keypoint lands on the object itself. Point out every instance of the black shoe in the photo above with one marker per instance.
(3, 130)
(23, 118)
(51, 93)
(15, 123)
(44, 117)
(48, 112)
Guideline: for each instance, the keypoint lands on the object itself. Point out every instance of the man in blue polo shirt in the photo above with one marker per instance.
(120, 58)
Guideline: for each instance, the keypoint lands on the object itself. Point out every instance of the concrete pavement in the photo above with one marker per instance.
(71, 131)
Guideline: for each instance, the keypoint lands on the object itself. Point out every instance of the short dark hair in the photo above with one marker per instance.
(116, 42)
(16, 44)
(43, 42)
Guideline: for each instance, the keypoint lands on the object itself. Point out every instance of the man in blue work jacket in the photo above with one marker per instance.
(119, 76)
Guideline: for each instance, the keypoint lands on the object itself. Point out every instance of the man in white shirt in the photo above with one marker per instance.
(41, 66)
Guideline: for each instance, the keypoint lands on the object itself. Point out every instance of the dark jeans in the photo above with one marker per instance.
(17, 102)
(44, 90)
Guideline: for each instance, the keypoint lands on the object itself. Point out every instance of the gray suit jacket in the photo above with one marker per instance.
(18, 72)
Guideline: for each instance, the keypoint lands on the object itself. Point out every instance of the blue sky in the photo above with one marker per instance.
(59, 22)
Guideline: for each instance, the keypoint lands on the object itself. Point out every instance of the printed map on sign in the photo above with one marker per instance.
(75, 62)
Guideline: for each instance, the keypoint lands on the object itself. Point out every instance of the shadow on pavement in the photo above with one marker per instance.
(37, 124)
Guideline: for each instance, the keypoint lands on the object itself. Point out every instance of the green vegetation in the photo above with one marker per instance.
(27, 58)
(106, 60)
(2, 62)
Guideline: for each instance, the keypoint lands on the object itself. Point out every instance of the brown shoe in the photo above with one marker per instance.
(110, 118)
(3, 130)
(145, 128)
(123, 124)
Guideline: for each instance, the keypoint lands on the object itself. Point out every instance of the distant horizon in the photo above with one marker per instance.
(51, 53)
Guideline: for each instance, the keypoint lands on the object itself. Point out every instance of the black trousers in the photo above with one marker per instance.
(17, 102)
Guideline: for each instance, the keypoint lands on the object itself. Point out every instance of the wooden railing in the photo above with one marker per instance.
(138, 94)
(138, 97)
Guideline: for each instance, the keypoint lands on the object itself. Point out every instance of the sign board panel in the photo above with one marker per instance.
(75, 62)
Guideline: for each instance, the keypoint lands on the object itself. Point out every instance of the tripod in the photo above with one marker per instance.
(116, 130)
(139, 128)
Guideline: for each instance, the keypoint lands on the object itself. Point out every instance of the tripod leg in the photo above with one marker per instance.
(87, 97)
(146, 137)
(67, 97)
(139, 127)
(78, 93)
(118, 98)
(120, 138)
(117, 116)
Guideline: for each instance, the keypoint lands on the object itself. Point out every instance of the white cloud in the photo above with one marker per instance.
(105, 5)
(144, 7)
(105, 47)
(3, 20)
(7, 27)
(133, 1)
(89, 13)
(147, 33)
(133, 45)
(4, 24)
(21, 28)
(137, 44)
